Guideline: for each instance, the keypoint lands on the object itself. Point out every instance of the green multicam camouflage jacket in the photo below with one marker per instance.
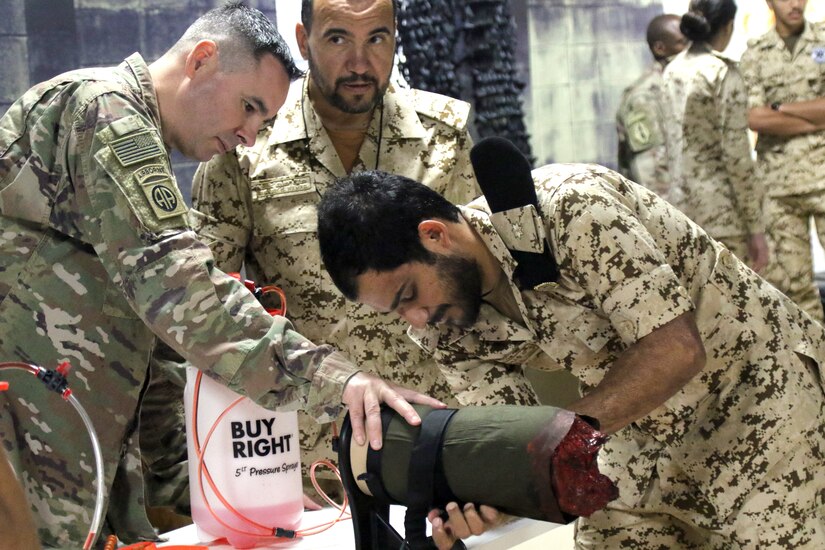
(96, 262)
(630, 262)
(640, 124)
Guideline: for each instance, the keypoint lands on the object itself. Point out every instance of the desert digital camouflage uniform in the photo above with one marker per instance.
(640, 123)
(96, 262)
(710, 158)
(790, 167)
(257, 207)
(732, 460)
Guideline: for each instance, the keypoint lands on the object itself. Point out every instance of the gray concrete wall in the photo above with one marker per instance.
(583, 53)
(14, 55)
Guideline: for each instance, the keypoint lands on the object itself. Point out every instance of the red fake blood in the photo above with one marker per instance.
(579, 487)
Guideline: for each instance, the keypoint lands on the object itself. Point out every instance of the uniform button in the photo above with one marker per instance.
(628, 327)
(727, 258)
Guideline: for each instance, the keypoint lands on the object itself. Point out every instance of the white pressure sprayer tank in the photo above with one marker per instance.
(244, 465)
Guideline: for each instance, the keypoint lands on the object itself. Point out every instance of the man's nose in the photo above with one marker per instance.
(247, 133)
(358, 61)
(416, 316)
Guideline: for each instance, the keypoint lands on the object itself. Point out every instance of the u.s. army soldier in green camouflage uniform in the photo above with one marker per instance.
(256, 206)
(98, 262)
(710, 154)
(641, 117)
(709, 379)
(784, 71)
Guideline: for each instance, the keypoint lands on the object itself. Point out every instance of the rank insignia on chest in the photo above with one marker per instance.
(818, 54)
(137, 147)
(160, 190)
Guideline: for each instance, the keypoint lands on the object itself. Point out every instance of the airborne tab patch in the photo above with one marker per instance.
(160, 191)
(137, 147)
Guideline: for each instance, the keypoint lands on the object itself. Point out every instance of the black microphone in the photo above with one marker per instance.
(504, 175)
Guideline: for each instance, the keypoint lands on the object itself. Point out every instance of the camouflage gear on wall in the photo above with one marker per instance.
(97, 262)
(640, 123)
(790, 166)
(256, 207)
(710, 158)
(733, 459)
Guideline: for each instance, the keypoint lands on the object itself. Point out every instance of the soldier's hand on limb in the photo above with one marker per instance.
(461, 524)
(758, 252)
(363, 395)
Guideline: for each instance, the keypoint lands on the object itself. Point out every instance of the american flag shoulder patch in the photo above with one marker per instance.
(137, 147)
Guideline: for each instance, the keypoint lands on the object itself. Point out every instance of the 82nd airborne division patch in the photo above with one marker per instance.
(161, 191)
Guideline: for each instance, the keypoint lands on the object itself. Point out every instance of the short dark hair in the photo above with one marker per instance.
(368, 221)
(241, 32)
(705, 18)
(658, 29)
(306, 12)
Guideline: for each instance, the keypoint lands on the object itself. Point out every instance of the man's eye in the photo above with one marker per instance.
(377, 39)
(336, 40)
(248, 107)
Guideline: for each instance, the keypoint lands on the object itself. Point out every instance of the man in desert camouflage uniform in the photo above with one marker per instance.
(784, 71)
(708, 378)
(256, 206)
(98, 262)
(641, 119)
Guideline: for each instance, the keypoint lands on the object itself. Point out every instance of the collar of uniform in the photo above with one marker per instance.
(809, 34)
(401, 120)
(477, 215)
(290, 125)
(491, 326)
(140, 71)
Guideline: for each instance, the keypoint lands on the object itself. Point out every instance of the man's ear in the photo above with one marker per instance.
(435, 236)
(659, 49)
(202, 59)
(302, 38)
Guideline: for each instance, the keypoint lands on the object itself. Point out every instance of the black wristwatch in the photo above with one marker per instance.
(775, 106)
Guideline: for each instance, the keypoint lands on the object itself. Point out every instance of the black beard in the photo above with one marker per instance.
(335, 99)
(462, 285)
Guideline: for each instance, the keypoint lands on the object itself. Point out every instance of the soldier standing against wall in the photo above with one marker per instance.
(783, 70)
(710, 154)
(641, 119)
(97, 262)
(256, 206)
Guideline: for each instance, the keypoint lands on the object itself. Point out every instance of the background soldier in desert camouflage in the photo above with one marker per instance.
(641, 118)
(710, 154)
(707, 377)
(97, 262)
(783, 71)
(256, 206)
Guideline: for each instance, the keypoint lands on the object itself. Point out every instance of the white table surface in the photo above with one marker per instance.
(520, 533)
